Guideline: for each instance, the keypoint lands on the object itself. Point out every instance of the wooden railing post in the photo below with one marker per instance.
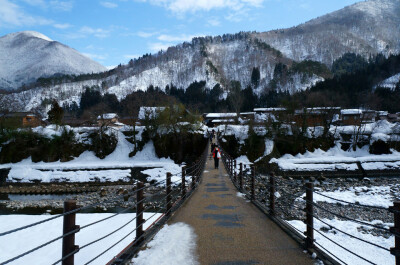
(309, 215)
(272, 194)
(193, 184)
(169, 195)
(183, 186)
(395, 209)
(231, 169)
(68, 242)
(234, 172)
(241, 177)
(253, 176)
(139, 212)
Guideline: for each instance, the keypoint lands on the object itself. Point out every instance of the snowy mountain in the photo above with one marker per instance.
(25, 56)
(390, 82)
(365, 28)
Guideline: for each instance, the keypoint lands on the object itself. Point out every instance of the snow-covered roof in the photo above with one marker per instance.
(350, 111)
(221, 115)
(247, 113)
(324, 108)
(222, 121)
(383, 113)
(268, 109)
(107, 116)
(149, 112)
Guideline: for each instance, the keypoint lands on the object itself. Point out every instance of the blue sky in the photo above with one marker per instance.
(112, 32)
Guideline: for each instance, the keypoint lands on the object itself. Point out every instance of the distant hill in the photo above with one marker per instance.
(364, 28)
(287, 60)
(25, 56)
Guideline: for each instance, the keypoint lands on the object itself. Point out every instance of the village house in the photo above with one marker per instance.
(393, 117)
(246, 117)
(20, 120)
(263, 115)
(72, 121)
(357, 116)
(129, 120)
(215, 119)
(319, 116)
(108, 119)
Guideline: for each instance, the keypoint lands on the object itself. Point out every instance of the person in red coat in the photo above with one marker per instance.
(216, 156)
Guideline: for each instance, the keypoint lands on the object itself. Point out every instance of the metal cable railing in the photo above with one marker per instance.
(247, 185)
(172, 197)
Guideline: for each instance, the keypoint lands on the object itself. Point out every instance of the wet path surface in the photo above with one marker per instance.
(232, 231)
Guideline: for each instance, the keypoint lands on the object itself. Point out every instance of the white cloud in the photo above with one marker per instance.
(96, 56)
(61, 5)
(179, 38)
(143, 34)
(62, 26)
(97, 32)
(214, 22)
(40, 3)
(184, 6)
(54, 4)
(12, 15)
(238, 15)
(158, 46)
(109, 4)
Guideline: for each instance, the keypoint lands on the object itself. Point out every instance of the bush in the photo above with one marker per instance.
(379, 147)
(60, 148)
(231, 145)
(299, 144)
(184, 147)
(254, 146)
(20, 145)
(102, 143)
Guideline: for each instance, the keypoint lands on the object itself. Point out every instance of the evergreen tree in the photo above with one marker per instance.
(255, 77)
(56, 113)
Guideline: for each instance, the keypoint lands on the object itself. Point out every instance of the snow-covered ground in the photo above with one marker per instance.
(335, 158)
(380, 196)
(372, 196)
(27, 170)
(173, 245)
(19, 242)
(372, 253)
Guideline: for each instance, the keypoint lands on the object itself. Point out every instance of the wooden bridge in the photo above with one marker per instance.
(232, 230)
(234, 224)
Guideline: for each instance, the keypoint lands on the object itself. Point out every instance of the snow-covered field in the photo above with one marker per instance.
(335, 158)
(173, 245)
(380, 196)
(27, 170)
(372, 253)
(372, 196)
(19, 242)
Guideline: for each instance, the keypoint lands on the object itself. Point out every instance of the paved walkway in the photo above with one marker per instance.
(232, 231)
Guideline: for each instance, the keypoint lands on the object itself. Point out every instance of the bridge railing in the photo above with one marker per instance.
(267, 193)
(169, 194)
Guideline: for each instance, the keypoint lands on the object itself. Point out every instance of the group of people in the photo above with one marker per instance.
(215, 152)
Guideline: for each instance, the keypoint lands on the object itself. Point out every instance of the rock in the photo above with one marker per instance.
(103, 192)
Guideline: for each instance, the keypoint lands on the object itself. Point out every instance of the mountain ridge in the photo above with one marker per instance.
(30, 55)
(232, 57)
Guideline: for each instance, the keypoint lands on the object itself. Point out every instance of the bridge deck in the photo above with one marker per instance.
(231, 230)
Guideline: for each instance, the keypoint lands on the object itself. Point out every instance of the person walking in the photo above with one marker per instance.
(217, 156)
(212, 149)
